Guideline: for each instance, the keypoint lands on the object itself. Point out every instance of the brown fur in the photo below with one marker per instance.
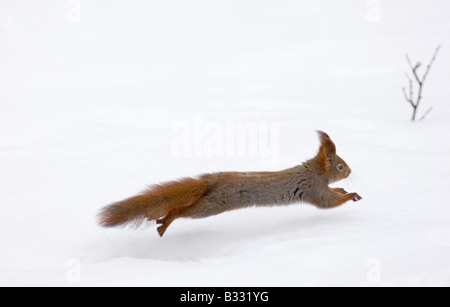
(212, 194)
(154, 202)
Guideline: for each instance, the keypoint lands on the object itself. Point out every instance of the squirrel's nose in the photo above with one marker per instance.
(348, 172)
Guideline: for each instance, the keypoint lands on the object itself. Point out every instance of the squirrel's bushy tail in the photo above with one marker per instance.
(154, 203)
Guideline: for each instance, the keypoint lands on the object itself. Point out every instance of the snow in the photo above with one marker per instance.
(91, 110)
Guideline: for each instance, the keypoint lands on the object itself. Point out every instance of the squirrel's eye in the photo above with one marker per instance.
(340, 167)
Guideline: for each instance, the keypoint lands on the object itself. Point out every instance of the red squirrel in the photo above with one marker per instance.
(211, 194)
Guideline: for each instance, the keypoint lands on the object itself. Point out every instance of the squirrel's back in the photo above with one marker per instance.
(234, 190)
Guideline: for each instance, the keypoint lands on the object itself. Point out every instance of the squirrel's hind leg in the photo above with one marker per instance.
(167, 220)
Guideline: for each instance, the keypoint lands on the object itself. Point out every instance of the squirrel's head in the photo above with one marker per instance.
(332, 165)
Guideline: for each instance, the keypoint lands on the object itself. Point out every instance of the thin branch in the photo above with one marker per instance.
(415, 74)
(426, 113)
(431, 63)
(409, 61)
(411, 91)
(420, 82)
(408, 99)
(414, 69)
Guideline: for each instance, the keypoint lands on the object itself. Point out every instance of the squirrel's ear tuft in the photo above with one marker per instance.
(327, 150)
(322, 135)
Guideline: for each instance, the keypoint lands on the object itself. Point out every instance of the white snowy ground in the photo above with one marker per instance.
(139, 92)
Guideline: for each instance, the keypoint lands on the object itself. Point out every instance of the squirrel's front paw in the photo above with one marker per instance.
(355, 197)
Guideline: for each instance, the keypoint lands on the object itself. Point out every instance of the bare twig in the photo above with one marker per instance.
(414, 69)
(409, 62)
(426, 113)
(420, 82)
(408, 99)
(431, 63)
(410, 88)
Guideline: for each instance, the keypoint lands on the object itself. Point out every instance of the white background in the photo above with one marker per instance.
(90, 96)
